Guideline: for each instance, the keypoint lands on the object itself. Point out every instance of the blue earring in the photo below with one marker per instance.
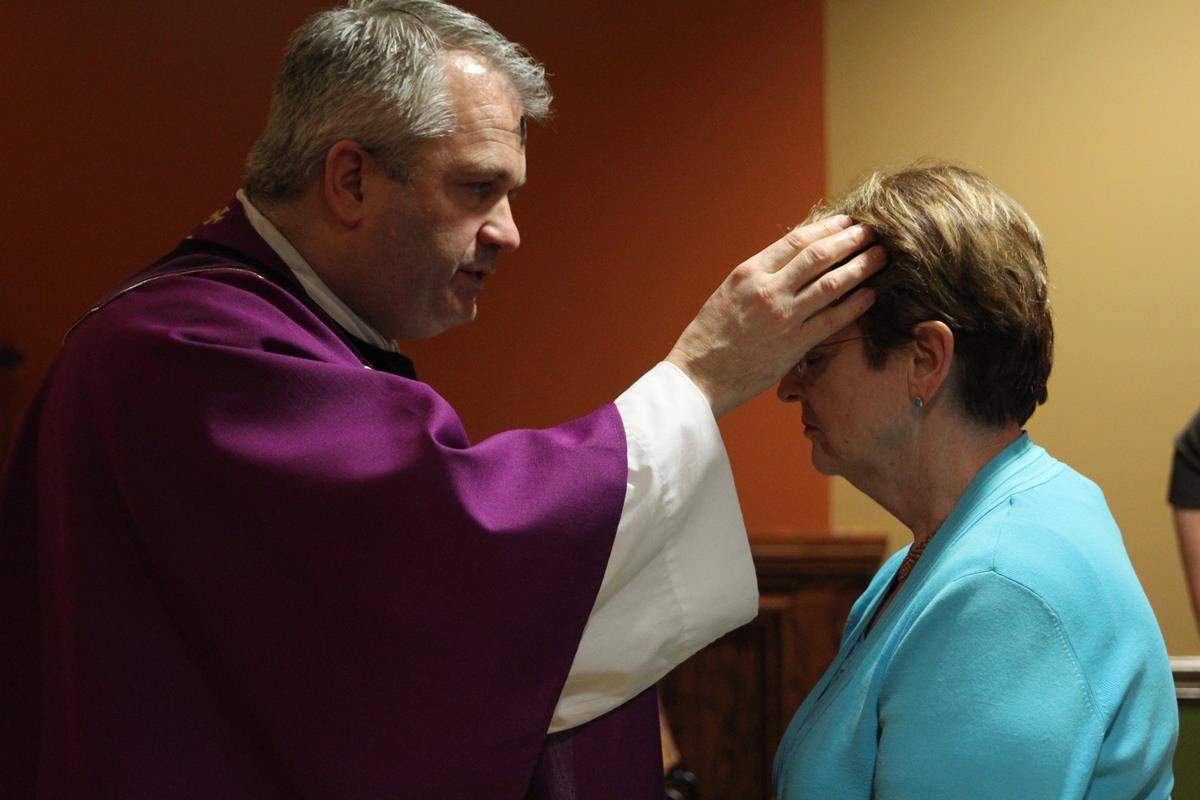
(918, 402)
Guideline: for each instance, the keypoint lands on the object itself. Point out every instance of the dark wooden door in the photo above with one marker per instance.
(730, 703)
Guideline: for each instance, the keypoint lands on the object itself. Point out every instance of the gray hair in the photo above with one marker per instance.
(373, 72)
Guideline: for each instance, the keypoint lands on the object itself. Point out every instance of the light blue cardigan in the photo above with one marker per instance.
(1020, 660)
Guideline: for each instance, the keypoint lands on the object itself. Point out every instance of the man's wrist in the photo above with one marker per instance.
(685, 364)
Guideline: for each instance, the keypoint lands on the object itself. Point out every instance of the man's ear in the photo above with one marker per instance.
(933, 356)
(342, 187)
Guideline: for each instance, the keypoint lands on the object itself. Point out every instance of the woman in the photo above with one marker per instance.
(1010, 651)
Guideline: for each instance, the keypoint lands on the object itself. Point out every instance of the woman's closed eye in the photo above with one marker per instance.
(814, 358)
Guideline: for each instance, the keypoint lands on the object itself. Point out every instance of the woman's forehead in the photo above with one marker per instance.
(850, 331)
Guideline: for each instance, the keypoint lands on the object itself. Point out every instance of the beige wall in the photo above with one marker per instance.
(1088, 114)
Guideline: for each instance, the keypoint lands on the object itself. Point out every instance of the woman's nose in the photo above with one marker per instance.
(791, 385)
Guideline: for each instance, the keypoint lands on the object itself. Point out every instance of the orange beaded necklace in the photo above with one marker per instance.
(910, 560)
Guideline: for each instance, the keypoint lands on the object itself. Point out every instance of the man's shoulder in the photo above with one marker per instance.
(211, 302)
(195, 342)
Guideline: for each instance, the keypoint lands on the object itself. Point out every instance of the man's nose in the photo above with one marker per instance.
(500, 229)
(791, 386)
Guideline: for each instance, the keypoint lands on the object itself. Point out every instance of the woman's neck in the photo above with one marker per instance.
(922, 486)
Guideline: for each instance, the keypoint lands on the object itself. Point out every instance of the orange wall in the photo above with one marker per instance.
(125, 124)
(687, 136)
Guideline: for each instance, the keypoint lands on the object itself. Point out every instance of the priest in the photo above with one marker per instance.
(246, 553)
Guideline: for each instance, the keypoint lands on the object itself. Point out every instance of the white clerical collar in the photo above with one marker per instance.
(321, 294)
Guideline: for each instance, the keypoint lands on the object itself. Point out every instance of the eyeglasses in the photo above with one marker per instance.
(820, 352)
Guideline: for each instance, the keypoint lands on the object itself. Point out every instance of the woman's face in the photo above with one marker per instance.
(857, 418)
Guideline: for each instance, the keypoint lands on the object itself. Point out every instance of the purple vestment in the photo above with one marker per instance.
(235, 563)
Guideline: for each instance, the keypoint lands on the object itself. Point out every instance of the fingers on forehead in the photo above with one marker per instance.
(827, 252)
(833, 224)
(840, 281)
(801, 237)
(856, 270)
(835, 318)
(841, 244)
(805, 236)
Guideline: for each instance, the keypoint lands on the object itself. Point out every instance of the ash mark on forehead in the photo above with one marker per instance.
(521, 130)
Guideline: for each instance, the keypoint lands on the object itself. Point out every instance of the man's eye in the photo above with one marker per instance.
(480, 188)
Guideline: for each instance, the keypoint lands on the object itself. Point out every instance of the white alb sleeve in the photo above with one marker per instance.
(680, 574)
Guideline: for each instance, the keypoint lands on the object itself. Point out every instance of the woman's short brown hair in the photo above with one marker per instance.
(962, 252)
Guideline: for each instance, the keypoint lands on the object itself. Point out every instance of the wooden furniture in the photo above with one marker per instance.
(730, 703)
(1187, 691)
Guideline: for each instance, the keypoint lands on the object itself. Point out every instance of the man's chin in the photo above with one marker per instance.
(455, 317)
(464, 315)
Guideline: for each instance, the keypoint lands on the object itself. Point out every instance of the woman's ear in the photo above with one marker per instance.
(933, 356)
(342, 184)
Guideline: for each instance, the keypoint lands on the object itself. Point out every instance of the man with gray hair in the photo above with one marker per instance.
(247, 554)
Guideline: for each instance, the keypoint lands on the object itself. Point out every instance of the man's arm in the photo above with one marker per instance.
(326, 539)
(1184, 495)
(680, 573)
(1187, 529)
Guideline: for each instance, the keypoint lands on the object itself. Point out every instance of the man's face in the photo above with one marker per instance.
(436, 237)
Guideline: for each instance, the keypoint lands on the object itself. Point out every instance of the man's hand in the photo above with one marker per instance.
(774, 307)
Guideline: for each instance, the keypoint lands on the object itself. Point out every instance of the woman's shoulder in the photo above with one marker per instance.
(1049, 529)
(1060, 540)
(1056, 544)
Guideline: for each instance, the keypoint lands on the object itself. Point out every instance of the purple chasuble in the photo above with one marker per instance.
(237, 563)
